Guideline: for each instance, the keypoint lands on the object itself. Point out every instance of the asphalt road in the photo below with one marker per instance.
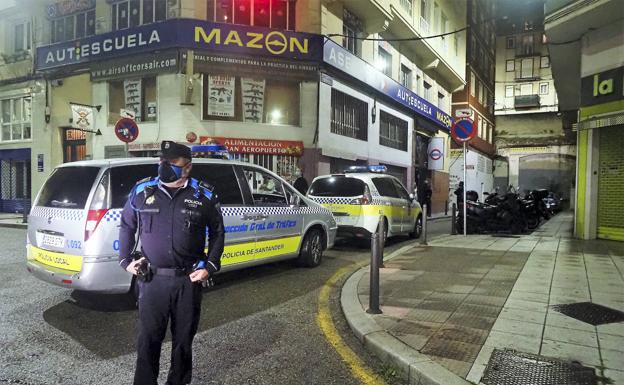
(258, 326)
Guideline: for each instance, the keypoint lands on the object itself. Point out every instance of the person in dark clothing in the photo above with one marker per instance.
(459, 193)
(301, 185)
(428, 193)
(171, 214)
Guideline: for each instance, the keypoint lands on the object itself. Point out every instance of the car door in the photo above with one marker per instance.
(278, 226)
(408, 207)
(391, 202)
(236, 204)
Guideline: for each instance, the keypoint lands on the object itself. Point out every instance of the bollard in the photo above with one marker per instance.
(24, 212)
(454, 220)
(423, 236)
(382, 242)
(373, 299)
(445, 208)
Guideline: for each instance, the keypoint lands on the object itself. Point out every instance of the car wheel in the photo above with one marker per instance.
(311, 251)
(417, 228)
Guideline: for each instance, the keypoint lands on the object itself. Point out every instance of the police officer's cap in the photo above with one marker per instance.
(171, 150)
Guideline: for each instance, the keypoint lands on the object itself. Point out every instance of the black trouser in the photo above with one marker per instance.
(164, 298)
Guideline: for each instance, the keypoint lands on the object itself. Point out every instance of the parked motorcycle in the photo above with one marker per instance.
(503, 213)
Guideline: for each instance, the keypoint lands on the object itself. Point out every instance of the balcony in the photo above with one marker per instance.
(526, 101)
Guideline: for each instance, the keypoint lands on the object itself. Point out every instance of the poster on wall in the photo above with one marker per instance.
(133, 97)
(253, 99)
(221, 95)
(435, 154)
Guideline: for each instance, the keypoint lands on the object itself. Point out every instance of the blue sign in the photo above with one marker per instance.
(345, 61)
(183, 33)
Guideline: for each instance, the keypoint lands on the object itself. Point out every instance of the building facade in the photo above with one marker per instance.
(476, 100)
(586, 41)
(535, 149)
(256, 75)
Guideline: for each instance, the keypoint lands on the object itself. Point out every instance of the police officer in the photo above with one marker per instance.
(171, 214)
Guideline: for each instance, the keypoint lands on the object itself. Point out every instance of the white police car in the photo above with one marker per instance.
(74, 223)
(360, 195)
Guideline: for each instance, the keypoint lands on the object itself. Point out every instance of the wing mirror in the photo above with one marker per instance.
(295, 200)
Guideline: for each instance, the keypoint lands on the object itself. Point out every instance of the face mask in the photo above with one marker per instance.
(169, 173)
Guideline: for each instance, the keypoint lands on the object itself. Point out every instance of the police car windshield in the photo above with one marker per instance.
(337, 186)
(68, 187)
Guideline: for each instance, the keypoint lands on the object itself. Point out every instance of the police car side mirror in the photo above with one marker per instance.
(295, 200)
(413, 197)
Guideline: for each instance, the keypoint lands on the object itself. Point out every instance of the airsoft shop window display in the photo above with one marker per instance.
(135, 95)
(243, 99)
(277, 14)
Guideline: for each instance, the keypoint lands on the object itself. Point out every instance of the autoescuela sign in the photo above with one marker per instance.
(182, 33)
(352, 65)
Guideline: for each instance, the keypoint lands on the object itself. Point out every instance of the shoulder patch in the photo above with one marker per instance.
(202, 188)
(145, 183)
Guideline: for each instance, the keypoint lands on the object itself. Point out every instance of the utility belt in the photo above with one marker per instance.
(146, 272)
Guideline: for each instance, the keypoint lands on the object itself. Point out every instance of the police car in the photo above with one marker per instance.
(360, 195)
(73, 226)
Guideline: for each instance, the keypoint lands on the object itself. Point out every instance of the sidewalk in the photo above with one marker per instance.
(12, 220)
(451, 307)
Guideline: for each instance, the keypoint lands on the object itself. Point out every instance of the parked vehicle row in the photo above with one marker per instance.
(73, 228)
(506, 213)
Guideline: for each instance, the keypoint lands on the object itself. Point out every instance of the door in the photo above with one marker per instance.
(236, 206)
(74, 145)
(15, 181)
(278, 227)
(408, 216)
(393, 206)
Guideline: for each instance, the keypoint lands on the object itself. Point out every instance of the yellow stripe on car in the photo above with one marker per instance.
(249, 251)
(58, 260)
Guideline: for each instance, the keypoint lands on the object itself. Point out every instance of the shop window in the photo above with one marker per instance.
(132, 13)
(72, 27)
(257, 100)
(277, 14)
(392, 131)
(15, 119)
(136, 95)
(349, 116)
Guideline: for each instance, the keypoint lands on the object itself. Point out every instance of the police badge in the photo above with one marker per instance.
(150, 200)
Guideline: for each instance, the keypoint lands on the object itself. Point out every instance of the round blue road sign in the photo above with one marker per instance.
(463, 130)
(126, 130)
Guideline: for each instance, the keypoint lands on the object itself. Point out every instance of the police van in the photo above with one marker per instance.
(73, 227)
(360, 195)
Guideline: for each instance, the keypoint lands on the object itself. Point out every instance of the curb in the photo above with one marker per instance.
(415, 367)
(14, 225)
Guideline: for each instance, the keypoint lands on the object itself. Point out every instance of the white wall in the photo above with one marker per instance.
(478, 179)
(334, 145)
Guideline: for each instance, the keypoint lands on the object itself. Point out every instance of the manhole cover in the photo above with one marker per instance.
(508, 367)
(590, 313)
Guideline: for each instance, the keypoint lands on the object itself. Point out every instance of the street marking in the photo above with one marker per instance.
(324, 320)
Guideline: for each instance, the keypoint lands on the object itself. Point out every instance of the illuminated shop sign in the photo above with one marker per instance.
(183, 33)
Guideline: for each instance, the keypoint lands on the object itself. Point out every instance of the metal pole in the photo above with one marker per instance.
(465, 188)
(382, 241)
(423, 236)
(373, 298)
(24, 211)
(454, 220)
(446, 207)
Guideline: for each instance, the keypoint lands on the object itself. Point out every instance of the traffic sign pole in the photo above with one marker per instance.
(465, 187)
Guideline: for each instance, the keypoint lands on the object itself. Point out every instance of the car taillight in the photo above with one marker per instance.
(93, 220)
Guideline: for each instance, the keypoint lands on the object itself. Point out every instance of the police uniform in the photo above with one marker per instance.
(172, 229)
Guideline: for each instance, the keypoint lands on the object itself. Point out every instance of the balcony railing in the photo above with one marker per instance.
(527, 101)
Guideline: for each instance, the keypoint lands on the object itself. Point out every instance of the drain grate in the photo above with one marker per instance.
(509, 367)
(590, 313)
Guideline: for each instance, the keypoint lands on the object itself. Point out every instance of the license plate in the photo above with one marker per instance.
(52, 240)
